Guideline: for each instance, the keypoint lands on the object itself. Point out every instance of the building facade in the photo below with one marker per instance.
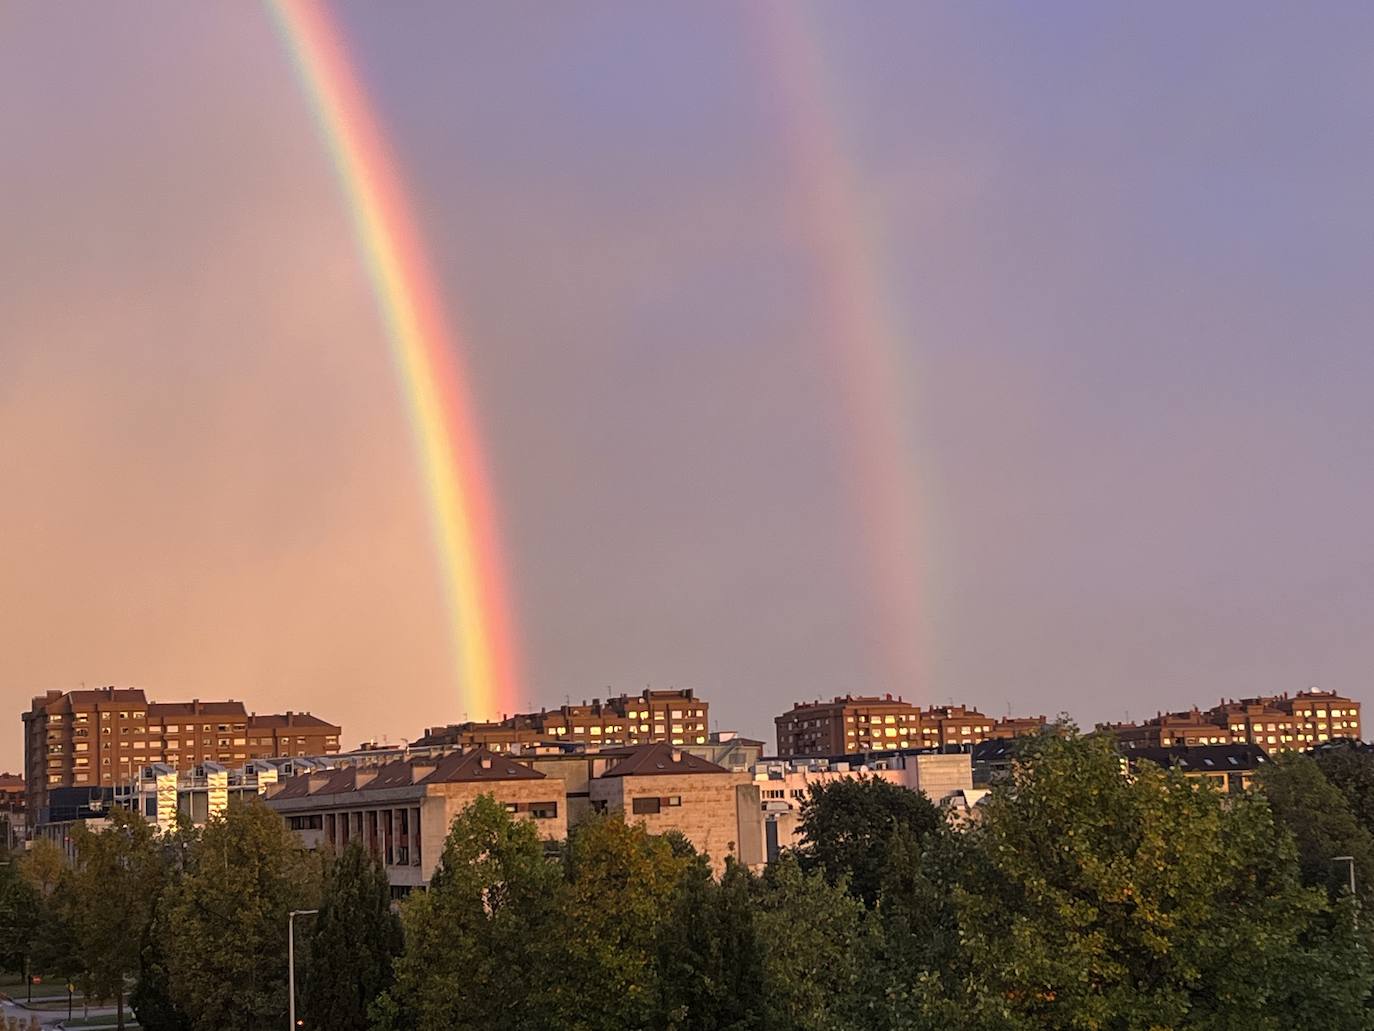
(1273, 722)
(101, 738)
(401, 812)
(675, 717)
(784, 785)
(846, 724)
(667, 789)
(852, 724)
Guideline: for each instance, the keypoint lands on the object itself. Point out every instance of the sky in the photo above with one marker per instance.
(1112, 261)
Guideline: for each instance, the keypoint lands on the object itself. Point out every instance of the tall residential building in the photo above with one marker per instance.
(103, 737)
(850, 725)
(676, 717)
(1274, 722)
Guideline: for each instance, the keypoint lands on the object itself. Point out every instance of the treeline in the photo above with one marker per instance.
(1081, 898)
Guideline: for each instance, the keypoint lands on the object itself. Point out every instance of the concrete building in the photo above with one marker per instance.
(676, 717)
(103, 737)
(402, 811)
(667, 789)
(162, 794)
(785, 784)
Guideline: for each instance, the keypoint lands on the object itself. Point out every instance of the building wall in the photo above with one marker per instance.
(103, 737)
(702, 806)
(938, 776)
(374, 815)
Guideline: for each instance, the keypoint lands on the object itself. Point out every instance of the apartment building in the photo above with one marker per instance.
(401, 812)
(1167, 729)
(848, 724)
(1229, 768)
(1273, 722)
(103, 737)
(945, 725)
(675, 717)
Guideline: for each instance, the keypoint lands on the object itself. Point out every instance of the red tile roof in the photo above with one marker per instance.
(661, 760)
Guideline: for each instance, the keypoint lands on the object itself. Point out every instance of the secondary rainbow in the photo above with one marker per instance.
(425, 350)
(862, 323)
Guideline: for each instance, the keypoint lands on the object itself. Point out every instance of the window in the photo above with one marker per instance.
(644, 806)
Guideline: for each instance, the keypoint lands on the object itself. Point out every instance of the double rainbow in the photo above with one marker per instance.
(424, 348)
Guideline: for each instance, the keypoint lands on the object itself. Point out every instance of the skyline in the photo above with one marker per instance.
(1129, 361)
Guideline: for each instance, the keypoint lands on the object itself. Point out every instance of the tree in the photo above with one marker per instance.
(227, 918)
(356, 940)
(1088, 898)
(808, 932)
(114, 882)
(709, 964)
(1350, 769)
(618, 879)
(1318, 816)
(847, 827)
(151, 999)
(20, 916)
(477, 942)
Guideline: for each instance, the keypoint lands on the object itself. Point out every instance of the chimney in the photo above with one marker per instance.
(677, 755)
(289, 717)
(486, 762)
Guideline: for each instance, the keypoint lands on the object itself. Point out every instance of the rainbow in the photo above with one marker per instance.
(862, 324)
(424, 349)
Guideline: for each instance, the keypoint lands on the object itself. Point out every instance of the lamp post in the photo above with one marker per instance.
(291, 958)
(1350, 862)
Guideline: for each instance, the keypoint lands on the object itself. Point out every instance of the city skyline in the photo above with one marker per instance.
(1105, 279)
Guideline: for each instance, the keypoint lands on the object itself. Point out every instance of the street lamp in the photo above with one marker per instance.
(1350, 861)
(291, 957)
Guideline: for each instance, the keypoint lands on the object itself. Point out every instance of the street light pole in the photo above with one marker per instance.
(291, 958)
(1350, 862)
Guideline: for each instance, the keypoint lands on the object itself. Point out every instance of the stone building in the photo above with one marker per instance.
(401, 812)
(667, 789)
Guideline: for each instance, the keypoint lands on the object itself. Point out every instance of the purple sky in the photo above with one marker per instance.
(1127, 252)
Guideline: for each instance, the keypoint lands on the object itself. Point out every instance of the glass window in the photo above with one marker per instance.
(644, 806)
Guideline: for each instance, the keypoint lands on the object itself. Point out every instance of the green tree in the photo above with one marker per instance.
(1318, 816)
(1350, 768)
(1086, 898)
(477, 943)
(115, 880)
(356, 940)
(20, 916)
(226, 921)
(619, 877)
(151, 999)
(809, 932)
(848, 825)
(709, 964)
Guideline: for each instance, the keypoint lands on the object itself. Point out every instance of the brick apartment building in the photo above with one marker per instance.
(103, 737)
(1274, 723)
(849, 724)
(674, 717)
